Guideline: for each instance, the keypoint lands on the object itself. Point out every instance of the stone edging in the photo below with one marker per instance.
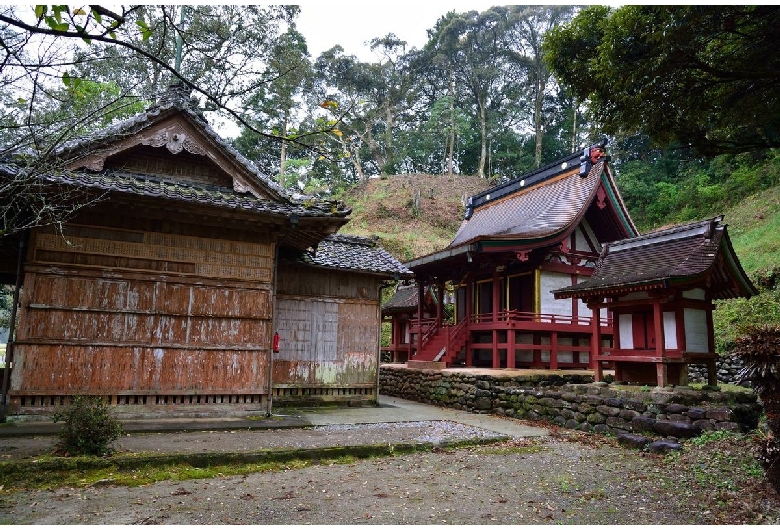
(575, 402)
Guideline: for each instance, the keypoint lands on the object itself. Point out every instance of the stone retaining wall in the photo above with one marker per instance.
(575, 402)
(727, 367)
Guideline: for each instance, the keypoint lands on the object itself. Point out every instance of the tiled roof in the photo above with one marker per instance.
(355, 253)
(150, 186)
(405, 297)
(535, 212)
(175, 99)
(681, 254)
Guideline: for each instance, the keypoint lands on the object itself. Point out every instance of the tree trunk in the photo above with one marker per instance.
(483, 133)
(538, 128)
(451, 153)
(283, 157)
(389, 124)
(574, 128)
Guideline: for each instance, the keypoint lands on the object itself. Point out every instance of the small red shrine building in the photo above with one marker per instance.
(660, 289)
(519, 242)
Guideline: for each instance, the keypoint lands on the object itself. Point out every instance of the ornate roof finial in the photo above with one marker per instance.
(177, 95)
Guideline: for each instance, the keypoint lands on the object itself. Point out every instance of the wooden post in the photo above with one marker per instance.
(595, 343)
(469, 312)
(496, 311)
(439, 304)
(510, 348)
(554, 350)
(661, 374)
(420, 302)
(658, 323)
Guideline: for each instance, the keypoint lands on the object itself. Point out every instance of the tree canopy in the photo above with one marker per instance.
(707, 77)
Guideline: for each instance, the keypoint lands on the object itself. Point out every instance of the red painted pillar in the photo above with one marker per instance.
(469, 312)
(496, 311)
(510, 348)
(420, 302)
(595, 343)
(658, 323)
(439, 304)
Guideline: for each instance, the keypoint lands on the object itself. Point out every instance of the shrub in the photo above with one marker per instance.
(89, 427)
(760, 351)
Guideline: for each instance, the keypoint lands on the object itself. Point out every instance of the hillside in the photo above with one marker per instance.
(413, 215)
(754, 227)
(386, 207)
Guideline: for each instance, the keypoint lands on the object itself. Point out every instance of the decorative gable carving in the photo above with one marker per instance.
(175, 136)
(175, 139)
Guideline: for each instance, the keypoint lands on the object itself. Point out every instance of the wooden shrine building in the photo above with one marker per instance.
(519, 242)
(660, 289)
(165, 290)
(548, 271)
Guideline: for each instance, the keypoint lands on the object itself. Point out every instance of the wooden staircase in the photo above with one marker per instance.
(442, 344)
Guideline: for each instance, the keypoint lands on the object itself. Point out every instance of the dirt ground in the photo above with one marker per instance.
(558, 479)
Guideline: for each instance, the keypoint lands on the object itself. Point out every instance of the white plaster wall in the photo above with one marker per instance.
(639, 295)
(549, 282)
(626, 331)
(582, 309)
(696, 336)
(695, 294)
(670, 330)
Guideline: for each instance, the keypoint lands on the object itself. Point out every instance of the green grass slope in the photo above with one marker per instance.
(413, 215)
(754, 228)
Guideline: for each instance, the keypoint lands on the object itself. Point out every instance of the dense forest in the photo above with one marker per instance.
(686, 95)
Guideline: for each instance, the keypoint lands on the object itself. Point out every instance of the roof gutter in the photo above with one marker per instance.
(442, 254)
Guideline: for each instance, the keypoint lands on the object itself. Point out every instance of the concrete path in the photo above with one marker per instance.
(394, 420)
(393, 409)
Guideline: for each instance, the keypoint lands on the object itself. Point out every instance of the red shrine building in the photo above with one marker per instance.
(514, 270)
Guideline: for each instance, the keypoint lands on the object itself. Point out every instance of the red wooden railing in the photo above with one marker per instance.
(451, 335)
(541, 318)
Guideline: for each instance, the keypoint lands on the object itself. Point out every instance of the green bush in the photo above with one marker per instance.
(89, 427)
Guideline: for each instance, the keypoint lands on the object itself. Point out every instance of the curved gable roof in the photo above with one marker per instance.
(172, 123)
(538, 208)
(697, 254)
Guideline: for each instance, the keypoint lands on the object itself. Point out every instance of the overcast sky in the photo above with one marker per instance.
(350, 24)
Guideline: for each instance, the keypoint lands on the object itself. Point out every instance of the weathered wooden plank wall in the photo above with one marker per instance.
(328, 325)
(172, 314)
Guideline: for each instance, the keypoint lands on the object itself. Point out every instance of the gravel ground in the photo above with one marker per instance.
(545, 480)
(435, 432)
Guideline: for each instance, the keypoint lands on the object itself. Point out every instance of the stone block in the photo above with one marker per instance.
(616, 422)
(664, 446)
(720, 414)
(634, 441)
(483, 403)
(632, 404)
(696, 414)
(642, 424)
(596, 418)
(676, 408)
(676, 429)
(608, 411)
(704, 425)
